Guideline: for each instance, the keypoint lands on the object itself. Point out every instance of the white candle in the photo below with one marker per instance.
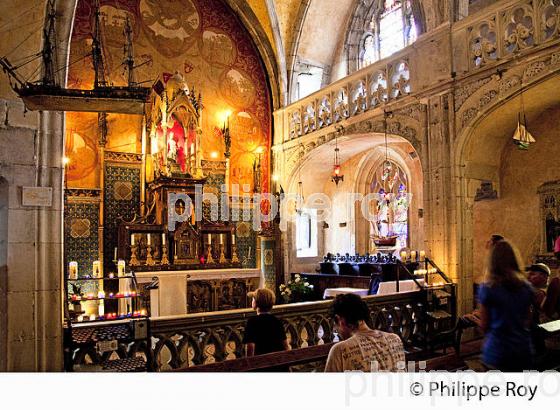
(209, 239)
(96, 269)
(132, 240)
(249, 253)
(163, 239)
(221, 239)
(115, 257)
(149, 239)
(101, 308)
(233, 239)
(121, 267)
(73, 270)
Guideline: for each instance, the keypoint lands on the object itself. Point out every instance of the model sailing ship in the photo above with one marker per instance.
(48, 95)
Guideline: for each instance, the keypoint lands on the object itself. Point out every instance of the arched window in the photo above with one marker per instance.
(391, 28)
(390, 186)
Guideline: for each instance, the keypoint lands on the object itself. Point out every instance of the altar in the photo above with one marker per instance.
(175, 293)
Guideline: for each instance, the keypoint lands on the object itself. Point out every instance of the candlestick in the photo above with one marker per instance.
(73, 270)
(234, 258)
(413, 256)
(121, 268)
(149, 259)
(133, 258)
(165, 255)
(209, 258)
(222, 255)
(96, 271)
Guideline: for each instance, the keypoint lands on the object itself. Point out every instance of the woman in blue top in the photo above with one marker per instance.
(506, 300)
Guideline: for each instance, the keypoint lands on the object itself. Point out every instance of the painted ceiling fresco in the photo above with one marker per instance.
(206, 43)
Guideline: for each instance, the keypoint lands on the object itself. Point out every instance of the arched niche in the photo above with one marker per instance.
(345, 230)
(497, 183)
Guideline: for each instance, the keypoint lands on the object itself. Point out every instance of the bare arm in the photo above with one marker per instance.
(286, 345)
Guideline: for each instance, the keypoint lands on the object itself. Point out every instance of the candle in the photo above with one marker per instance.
(403, 256)
(132, 240)
(115, 257)
(221, 239)
(233, 239)
(249, 253)
(111, 275)
(163, 239)
(101, 294)
(96, 269)
(121, 267)
(73, 270)
(209, 239)
(149, 239)
(101, 309)
(413, 256)
(422, 256)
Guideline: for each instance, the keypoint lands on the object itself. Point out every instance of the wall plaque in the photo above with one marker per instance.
(36, 196)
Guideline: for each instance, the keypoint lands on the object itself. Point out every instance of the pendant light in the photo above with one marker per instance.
(337, 176)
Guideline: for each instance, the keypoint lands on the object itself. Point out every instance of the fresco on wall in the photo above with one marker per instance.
(204, 41)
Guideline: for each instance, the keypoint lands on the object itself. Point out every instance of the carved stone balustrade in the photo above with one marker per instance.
(213, 337)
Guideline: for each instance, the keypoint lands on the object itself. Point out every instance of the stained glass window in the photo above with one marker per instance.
(391, 30)
(390, 211)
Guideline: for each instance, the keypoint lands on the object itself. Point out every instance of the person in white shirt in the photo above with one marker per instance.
(362, 348)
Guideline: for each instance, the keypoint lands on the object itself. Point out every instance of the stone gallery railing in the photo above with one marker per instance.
(213, 337)
(450, 53)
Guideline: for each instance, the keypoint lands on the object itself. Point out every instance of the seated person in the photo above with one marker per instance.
(551, 303)
(538, 274)
(362, 348)
(264, 333)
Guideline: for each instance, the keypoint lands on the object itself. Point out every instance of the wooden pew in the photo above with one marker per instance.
(319, 354)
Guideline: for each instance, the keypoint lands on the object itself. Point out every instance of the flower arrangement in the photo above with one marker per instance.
(295, 290)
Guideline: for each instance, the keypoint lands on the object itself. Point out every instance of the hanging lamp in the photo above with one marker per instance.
(337, 176)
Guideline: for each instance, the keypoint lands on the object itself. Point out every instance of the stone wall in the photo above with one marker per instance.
(516, 213)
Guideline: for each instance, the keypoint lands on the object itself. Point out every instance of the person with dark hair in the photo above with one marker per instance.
(362, 348)
(264, 333)
(505, 313)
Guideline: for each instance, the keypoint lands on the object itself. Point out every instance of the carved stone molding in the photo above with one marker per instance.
(124, 157)
(473, 100)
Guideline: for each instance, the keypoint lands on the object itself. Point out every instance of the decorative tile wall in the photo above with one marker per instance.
(81, 223)
(122, 199)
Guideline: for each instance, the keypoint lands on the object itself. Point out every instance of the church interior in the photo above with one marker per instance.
(160, 160)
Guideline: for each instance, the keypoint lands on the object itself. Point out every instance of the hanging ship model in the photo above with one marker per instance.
(48, 95)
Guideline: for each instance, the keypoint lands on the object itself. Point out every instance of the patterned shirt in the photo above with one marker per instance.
(367, 351)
